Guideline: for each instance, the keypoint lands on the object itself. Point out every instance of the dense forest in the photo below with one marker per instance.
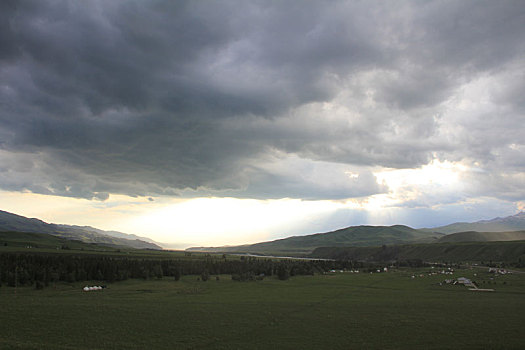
(43, 269)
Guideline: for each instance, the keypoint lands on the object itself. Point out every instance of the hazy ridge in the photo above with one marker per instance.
(17, 223)
(506, 224)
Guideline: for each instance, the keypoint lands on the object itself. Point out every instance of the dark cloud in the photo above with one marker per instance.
(150, 98)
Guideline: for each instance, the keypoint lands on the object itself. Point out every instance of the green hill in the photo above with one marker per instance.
(360, 236)
(473, 236)
(435, 252)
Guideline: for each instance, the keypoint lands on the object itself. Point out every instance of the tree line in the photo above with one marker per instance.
(22, 269)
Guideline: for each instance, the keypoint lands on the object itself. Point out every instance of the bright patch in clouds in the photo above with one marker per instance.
(426, 186)
(436, 180)
(440, 173)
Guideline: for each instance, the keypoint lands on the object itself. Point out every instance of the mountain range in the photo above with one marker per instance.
(370, 236)
(87, 234)
(509, 223)
(511, 228)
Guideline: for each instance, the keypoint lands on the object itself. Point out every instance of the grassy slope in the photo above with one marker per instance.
(473, 236)
(351, 236)
(340, 311)
(21, 241)
(452, 252)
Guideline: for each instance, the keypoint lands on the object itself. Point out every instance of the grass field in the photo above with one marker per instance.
(336, 311)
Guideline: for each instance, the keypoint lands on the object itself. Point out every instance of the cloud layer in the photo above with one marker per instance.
(258, 99)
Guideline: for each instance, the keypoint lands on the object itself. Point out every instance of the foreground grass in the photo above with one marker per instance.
(338, 311)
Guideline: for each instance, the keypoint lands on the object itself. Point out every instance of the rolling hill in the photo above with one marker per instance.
(17, 223)
(351, 236)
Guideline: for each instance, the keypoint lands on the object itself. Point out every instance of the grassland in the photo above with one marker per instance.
(335, 311)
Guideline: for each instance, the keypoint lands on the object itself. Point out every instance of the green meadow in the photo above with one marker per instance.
(390, 310)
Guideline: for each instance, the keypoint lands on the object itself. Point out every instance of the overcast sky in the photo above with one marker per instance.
(326, 113)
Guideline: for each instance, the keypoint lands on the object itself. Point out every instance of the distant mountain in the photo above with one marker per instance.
(359, 236)
(115, 234)
(506, 224)
(473, 236)
(86, 234)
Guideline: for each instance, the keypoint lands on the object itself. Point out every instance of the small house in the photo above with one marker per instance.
(464, 280)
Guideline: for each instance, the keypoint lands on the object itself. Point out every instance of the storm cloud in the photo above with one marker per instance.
(258, 99)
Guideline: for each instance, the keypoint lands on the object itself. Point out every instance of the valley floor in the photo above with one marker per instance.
(390, 310)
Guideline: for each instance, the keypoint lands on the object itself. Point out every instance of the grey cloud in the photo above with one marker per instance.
(413, 88)
(7, 43)
(492, 182)
(474, 36)
(149, 98)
